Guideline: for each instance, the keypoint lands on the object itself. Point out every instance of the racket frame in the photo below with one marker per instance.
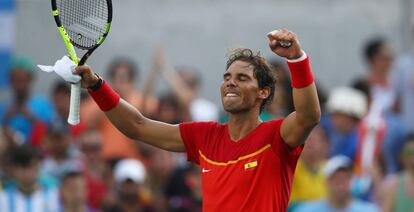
(74, 109)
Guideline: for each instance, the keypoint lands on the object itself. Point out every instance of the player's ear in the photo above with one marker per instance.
(264, 92)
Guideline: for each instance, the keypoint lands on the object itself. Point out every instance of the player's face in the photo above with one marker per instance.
(239, 89)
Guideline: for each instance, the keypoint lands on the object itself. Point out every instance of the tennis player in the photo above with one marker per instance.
(246, 164)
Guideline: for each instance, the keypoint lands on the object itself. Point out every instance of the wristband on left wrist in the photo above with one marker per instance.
(301, 73)
(105, 97)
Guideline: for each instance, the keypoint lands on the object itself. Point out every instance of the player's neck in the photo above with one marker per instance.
(240, 125)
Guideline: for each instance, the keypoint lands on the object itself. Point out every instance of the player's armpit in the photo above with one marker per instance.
(133, 124)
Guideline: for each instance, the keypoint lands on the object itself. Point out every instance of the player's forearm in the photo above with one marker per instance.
(126, 119)
(305, 97)
(119, 112)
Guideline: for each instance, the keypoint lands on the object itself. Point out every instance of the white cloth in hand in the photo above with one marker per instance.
(64, 68)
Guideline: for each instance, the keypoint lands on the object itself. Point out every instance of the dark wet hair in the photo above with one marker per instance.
(262, 70)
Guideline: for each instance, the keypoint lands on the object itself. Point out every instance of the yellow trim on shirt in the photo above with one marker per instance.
(233, 161)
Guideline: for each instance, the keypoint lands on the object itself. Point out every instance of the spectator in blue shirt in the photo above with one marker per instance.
(346, 107)
(24, 115)
(26, 190)
(338, 171)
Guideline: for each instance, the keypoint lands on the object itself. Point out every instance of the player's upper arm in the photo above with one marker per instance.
(297, 126)
(293, 132)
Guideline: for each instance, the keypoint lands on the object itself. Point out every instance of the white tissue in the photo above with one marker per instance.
(64, 68)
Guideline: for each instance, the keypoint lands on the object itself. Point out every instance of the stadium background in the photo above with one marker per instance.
(199, 33)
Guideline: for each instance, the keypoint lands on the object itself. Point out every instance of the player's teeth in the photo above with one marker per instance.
(231, 94)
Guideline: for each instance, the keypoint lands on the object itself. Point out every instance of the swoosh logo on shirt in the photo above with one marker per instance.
(205, 170)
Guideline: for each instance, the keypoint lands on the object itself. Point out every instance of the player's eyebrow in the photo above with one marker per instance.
(226, 74)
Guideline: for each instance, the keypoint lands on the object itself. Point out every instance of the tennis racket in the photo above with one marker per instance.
(85, 25)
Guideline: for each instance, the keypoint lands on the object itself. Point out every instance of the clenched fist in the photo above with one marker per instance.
(285, 44)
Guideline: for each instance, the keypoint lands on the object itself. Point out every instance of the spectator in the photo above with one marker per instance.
(129, 175)
(61, 103)
(381, 125)
(282, 103)
(73, 193)
(380, 132)
(398, 193)
(338, 171)
(183, 190)
(346, 107)
(185, 82)
(161, 164)
(95, 169)
(24, 115)
(403, 84)
(26, 191)
(169, 109)
(309, 179)
(61, 155)
(115, 145)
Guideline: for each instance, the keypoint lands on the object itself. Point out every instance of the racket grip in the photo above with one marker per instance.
(284, 44)
(75, 91)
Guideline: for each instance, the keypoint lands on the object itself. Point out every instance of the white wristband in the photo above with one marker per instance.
(303, 57)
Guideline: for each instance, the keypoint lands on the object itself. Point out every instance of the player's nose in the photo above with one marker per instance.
(230, 82)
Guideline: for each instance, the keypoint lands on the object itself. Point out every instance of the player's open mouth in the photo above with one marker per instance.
(231, 95)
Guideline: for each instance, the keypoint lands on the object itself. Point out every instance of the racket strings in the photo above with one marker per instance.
(84, 20)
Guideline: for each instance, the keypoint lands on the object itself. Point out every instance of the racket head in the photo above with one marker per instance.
(86, 23)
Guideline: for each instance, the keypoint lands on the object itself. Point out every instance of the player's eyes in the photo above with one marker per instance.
(242, 78)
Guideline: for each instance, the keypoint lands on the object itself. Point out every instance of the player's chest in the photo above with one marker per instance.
(240, 172)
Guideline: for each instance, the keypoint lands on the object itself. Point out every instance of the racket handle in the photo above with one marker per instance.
(284, 44)
(75, 91)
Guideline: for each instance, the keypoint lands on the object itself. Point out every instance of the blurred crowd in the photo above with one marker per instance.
(359, 158)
